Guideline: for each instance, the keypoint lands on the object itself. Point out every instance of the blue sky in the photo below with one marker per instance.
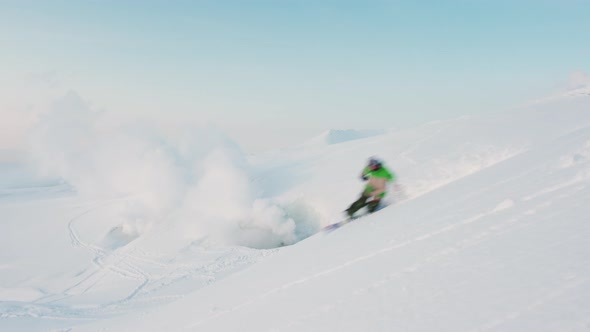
(276, 71)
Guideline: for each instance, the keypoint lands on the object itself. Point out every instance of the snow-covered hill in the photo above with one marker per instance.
(489, 234)
(579, 92)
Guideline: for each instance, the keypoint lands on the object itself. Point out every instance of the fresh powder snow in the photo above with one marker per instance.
(124, 228)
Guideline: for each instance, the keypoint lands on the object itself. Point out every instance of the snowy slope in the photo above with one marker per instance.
(490, 234)
(337, 136)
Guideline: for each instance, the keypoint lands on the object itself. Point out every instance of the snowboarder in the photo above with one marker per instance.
(377, 177)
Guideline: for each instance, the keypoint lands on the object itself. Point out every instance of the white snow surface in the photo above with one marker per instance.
(337, 136)
(130, 231)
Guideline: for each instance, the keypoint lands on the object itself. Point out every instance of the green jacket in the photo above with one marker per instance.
(377, 181)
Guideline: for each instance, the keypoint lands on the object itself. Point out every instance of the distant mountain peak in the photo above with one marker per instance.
(581, 91)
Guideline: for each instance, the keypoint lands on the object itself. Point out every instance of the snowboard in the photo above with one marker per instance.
(339, 224)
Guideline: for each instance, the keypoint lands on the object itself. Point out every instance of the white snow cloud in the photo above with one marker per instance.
(197, 175)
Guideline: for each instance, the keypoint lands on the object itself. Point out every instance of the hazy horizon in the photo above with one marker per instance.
(274, 73)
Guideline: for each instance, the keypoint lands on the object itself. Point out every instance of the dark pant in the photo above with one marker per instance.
(361, 203)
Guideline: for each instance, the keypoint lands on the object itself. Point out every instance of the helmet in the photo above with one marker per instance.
(374, 163)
